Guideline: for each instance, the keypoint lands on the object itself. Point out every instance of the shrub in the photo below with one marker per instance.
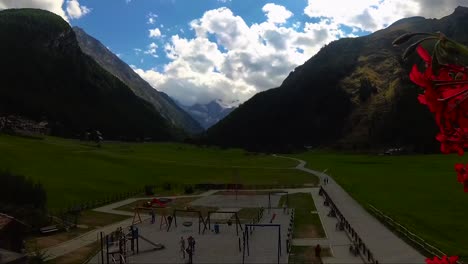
(188, 189)
(23, 199)
(167, 186)
(149, 189)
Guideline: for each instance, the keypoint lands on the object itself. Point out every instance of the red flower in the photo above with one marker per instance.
(443, 260)
(445, 95)
(462, 175)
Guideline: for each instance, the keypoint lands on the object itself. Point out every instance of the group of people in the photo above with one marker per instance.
(325, 180)
(190, 249)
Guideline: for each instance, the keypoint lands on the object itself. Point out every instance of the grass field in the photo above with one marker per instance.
(421, 192)
(306, 223)
(72, 171)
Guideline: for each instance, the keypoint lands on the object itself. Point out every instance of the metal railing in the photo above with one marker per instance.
(403, 231)
(361, 247)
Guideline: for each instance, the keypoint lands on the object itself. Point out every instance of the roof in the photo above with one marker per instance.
(10, 256)
(5, 220)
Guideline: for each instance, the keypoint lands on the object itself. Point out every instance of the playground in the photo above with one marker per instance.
(220, 236)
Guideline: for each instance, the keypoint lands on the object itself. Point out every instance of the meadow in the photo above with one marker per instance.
(420, 192)
(73, 171)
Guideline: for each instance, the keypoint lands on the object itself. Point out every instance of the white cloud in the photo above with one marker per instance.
(154, 33)
(75, 10)
(276, 13)
(231, 31)
(151, 18)
(54, 6)
(71, 9)
(152, 50)
(229, 59)
(371, 15)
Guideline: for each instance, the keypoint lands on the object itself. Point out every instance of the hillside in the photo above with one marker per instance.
(113, 64)
(46, 76)
(354, 94)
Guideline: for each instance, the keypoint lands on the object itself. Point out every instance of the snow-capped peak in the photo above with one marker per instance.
(228, 104)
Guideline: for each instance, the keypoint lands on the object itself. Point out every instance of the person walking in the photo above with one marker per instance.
(169, 219)
(182, 246)
(318, 250)
(153, 216)
(190, 242)
(193, 245)
(190, 255)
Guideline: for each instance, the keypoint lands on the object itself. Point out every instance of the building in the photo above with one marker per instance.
(12, 233)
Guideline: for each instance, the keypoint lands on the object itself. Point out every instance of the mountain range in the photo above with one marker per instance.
(46, 76)
(113, 64)
(355, 93)
(212, 112)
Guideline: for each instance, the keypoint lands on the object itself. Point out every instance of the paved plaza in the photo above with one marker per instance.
(211, 247)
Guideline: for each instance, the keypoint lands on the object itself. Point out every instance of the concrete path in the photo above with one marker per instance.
(83, 240)
(339, 241)
(386, 246)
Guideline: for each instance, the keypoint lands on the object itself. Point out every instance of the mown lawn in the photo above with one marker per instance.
(421, 192)
(307, 223)
(73, 171)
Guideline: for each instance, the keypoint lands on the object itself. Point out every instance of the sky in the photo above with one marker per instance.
(200, 50)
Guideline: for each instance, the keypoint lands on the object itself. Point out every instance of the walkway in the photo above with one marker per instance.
(386, 246)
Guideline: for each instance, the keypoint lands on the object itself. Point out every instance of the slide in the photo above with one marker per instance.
(157, 246)
(158, 202)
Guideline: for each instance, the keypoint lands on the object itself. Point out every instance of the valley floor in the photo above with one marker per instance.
(384, 245)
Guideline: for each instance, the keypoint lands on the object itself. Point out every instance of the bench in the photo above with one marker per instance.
(48, 229)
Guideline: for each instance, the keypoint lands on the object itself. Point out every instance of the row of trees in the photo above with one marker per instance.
(23, 198)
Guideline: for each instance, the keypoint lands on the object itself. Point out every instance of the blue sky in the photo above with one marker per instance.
(123, 26)
(200, 50)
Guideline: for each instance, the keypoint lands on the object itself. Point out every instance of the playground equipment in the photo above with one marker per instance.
(198, 212)
(246, 238)
(115, 246)
(155, 203)
(236, 216)
(161, 202)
